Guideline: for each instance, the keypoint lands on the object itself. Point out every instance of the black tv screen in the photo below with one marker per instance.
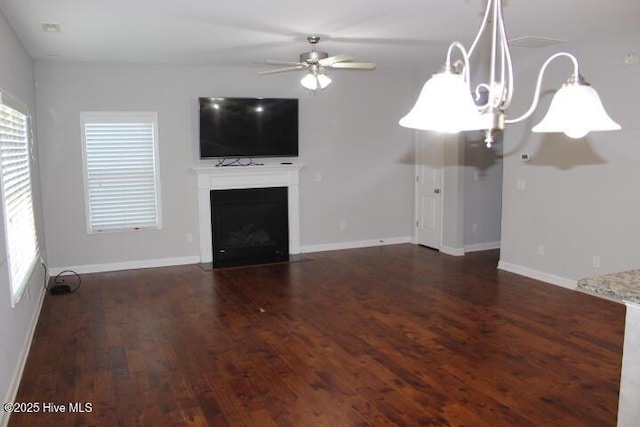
(248, 127)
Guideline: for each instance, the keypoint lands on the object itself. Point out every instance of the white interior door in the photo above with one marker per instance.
(429, 165)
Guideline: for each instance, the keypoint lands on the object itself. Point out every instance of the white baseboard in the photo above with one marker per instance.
(126, 265)
(451, 251)
(22, 359)
(356, 244)
(482, 247)
(538, 275)
(166, 262)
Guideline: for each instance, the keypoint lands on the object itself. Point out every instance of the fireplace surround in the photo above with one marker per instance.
(238, 177)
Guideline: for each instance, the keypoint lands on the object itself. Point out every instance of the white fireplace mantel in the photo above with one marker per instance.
(232, 177)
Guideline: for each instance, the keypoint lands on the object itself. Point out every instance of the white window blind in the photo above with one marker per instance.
(121, 171)
(19, 223)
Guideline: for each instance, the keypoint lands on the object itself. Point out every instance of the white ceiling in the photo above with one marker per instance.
(393, 33)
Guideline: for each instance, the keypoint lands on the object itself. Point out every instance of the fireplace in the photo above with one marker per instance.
(246, 177)
(249, 226)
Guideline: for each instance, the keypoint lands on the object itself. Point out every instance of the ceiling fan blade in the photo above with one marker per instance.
(276, 62)
(355, 65)
(389, 41)
(328, 62)
(281, 70)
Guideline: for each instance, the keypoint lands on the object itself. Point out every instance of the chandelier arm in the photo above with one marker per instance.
(508, 63)
(482, 108)
(536, 95)
(494, 42)
(504, 80)
(465, 57)
(485, 19)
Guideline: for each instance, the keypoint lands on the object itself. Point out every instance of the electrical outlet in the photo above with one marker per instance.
(474, 227)
(342, 225)
(521, 184)
(541, 250)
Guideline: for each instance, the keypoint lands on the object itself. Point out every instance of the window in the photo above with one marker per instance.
(17, 201)
(122, 187)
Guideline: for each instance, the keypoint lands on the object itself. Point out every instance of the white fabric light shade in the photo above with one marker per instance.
(444, 105)
(314, 82)
(576, 110)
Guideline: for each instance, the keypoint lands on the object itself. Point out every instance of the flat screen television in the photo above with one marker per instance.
(248, 127)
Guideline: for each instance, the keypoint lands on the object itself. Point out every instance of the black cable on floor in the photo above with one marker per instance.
(60, 287)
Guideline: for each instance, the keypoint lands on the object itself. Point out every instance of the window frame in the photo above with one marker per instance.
(121, 117)
(18, 289)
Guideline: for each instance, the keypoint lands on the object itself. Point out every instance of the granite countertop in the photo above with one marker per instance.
(623, 286)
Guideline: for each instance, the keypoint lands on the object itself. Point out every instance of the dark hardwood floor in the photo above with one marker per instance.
(395, 335)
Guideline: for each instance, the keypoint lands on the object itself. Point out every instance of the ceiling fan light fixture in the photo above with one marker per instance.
(315, 62)
(315, 81)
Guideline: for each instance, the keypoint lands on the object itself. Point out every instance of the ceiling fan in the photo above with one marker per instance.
(316, 62)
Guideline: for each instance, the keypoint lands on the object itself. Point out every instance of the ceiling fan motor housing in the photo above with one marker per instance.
(313, 57)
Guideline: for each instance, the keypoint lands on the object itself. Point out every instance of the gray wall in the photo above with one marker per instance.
(16, 324)
(349, 137)
(581, 197)
(453, 196)
(482, 192)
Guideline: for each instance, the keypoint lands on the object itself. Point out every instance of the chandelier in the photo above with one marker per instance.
(446, 102)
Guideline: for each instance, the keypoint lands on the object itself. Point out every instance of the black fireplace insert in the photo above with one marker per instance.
(249, 226)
